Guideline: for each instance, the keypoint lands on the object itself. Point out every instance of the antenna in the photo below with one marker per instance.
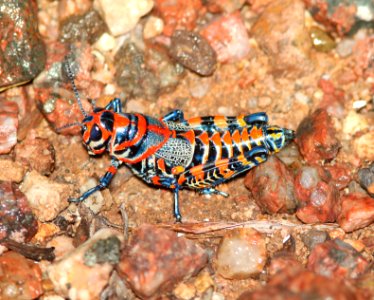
(75, 90)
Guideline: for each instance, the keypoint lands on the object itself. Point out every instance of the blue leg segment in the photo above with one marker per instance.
(209, 191)
(103, 183)
(171, 183)
(115, 105)
(177, 214)
(175, 116)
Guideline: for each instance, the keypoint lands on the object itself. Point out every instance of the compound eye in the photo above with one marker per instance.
(95, 134)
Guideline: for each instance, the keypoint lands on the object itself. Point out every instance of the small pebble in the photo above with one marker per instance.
(153, 27)
(122, 16)
(282, 261)
(357, 211)
(366, 178)
(36, 154)
(84, 272)
(314, 237)
(20, 278)
(87, 27)
(321, 40)
(23, 52)
(16, 218)
(281, 33)
(105, 43)
(8, 126)
(193, 52)
(345, 47)
(132, 73)
(363, 146)
(318, 199)
(46, 197)
(184, 291)
(11, 170)
(228, 37)
(354, 123)
(178, 14)
(337, 259)
(271, 185)
(317, 138)
(241, 254)
(157, 259)
(297, 283)
(339, 174)
(96, 201)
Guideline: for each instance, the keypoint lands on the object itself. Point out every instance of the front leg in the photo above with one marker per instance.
(170, 183)
(103, 183)
(115, 105)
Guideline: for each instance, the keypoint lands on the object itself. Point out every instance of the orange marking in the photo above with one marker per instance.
(177, 170)
(256, 133)
(198, 172)
(204, 138)
(194, 121)
(112, 170)
(156, 180)
(190, 136)
(182, 179)
(161, 164)
(216, 139)
(245, 136)
(220, 121)
(236, 137)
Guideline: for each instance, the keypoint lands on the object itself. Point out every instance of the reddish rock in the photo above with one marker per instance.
(17, 221)
(280, 32)
(20, 278)
(178, 14)
(339, 175)
(272, 187)
(295, 283)
(333, 98)
(228, 37)
(22, 51)
(282, 261)
(156, 259)
(339, 18)
(58, 103)
(8, 126)
(316, 137)
(337, 259)
(318, 200)
(357, 211)
(36, 154)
